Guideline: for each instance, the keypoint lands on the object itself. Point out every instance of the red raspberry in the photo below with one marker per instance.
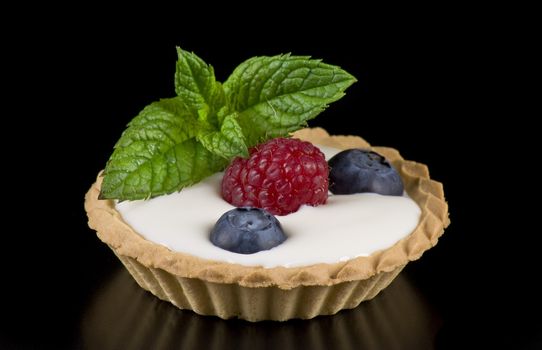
(279, 176)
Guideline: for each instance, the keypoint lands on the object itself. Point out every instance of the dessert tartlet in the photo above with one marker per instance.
(255, 293)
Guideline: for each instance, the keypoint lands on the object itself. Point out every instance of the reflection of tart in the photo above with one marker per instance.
(254, 293)
(399, 316)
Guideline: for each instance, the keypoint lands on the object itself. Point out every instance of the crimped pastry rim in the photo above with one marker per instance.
(428, 194)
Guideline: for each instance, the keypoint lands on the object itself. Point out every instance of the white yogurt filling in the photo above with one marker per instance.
(346, 227)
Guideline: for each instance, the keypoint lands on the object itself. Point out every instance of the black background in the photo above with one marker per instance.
(422, 89)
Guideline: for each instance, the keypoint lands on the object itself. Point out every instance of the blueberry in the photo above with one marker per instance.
(359, 170)
(247, 230)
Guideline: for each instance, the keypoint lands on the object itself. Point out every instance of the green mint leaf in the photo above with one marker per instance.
(158, 154)
(229, 142)
(177, 142)
(277, 95)
(195, 83)
(222, 113)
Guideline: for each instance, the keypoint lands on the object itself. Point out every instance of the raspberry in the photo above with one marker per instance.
(279, 176)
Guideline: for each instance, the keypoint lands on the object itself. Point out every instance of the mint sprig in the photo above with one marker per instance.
(177, 142)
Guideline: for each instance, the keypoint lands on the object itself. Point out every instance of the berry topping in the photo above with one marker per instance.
(358, 170)
(247, 230)
(279, 176)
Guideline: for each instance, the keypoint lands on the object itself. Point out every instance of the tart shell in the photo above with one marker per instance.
(256, 293)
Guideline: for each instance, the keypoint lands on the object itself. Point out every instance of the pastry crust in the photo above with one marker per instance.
(428, 194)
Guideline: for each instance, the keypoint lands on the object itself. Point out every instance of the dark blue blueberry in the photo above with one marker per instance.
(247, 230)
(359, 170)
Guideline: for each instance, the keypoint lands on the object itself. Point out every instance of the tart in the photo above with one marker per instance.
(255, 293)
